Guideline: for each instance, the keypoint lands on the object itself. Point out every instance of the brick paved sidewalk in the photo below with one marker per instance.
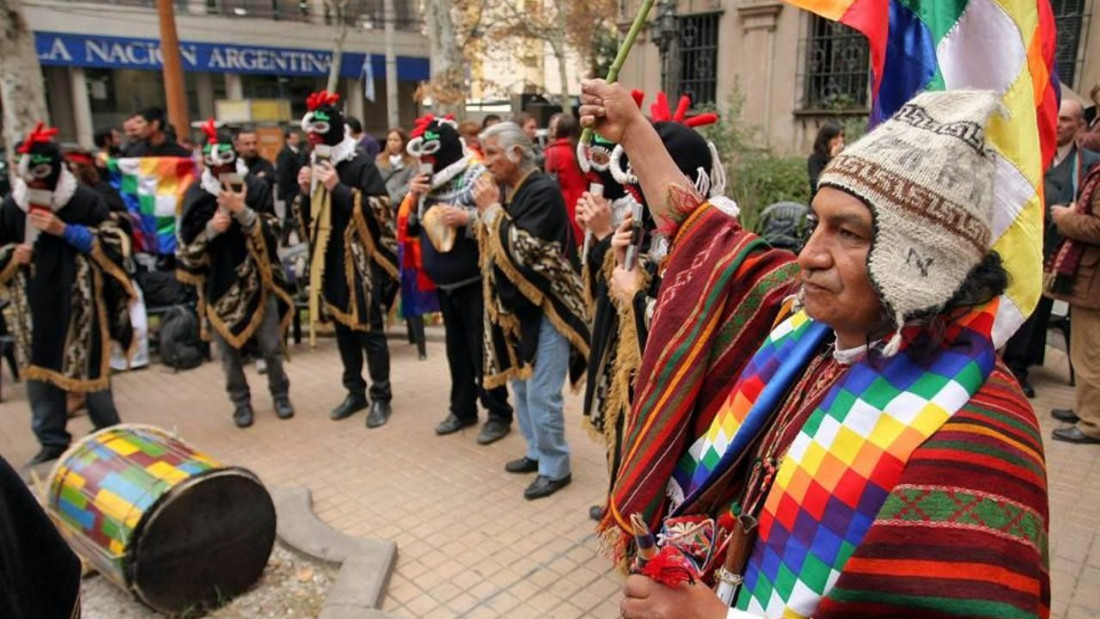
(469, 544)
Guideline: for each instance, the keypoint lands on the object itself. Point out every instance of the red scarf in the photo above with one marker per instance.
(1062, 267)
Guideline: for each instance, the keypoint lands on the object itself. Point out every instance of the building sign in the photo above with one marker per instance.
(81, 50)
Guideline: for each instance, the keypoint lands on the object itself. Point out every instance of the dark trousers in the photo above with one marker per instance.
(463, 310)
(353, 344)
(1028, 346)
(49, 412)
(268, 340)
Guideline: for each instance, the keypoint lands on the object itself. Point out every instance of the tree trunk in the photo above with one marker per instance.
(559, 53)
(389, 15)
(340, 8)
(22, 92)
(448, 85)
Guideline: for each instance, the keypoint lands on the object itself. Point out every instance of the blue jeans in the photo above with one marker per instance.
(539, 403)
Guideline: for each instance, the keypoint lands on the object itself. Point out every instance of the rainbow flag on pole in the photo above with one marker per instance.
(153, 189)
(1002, 45)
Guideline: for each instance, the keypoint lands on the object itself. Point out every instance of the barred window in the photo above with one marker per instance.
(1069, 19)
(283, 10)
(370, 14)
(695, 70)
(838, 67)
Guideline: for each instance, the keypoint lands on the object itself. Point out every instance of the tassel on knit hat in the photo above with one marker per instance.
(927, 177)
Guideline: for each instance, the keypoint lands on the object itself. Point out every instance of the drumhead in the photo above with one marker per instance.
(204, 542)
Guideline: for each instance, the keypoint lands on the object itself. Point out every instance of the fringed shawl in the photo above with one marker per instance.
(530, 267)
(81, 300)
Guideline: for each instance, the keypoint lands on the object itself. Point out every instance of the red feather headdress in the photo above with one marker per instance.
(661, 111)
(420, 125)
(40, 134)
(210, 128)
(318, 99)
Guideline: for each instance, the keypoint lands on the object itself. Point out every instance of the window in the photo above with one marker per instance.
(838, 67)
(1069, 19)
(695, 65)
(370, 15)
(282, 10)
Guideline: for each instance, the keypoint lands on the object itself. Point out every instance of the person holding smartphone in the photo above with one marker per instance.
(345, 210)
(228, 237)
(62, 257)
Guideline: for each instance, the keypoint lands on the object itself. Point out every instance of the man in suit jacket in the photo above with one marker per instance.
(287, 164)
(1060, 186)
(248, 145)
(290, 160)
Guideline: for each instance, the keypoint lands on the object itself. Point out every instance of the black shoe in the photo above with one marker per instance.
(1026, 387)
(453, 424)
(379, 414)
(283, 408)
(352, 404)
(46, 454)
(1065, 414)
(242, 416)
(522, 465)
(493, 431)
(544, 486)
(1073, 434)
(597, 512)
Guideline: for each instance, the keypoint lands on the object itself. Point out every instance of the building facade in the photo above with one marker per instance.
(101, 61)
(793, 70)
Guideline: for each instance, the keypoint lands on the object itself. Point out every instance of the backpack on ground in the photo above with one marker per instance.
(181, 346)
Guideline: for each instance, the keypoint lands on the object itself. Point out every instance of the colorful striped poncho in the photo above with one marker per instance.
(723, 292)
(846, 452)
(964, 531)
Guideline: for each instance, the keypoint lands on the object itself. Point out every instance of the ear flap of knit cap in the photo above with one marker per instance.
(928, 179)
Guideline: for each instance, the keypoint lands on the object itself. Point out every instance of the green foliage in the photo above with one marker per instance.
(854, 128)
(757, 177)
(604, 47)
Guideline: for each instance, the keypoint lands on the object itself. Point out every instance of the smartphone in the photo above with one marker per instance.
(39, 199)
(636, 234)
(233, 180)
(38, 202)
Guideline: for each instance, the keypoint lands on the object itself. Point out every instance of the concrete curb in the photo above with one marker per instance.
(365, 564)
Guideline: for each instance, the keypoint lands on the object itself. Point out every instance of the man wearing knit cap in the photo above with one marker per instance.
(874, 457)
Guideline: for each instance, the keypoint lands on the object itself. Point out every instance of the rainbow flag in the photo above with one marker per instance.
(1006, 46)
(153, 189)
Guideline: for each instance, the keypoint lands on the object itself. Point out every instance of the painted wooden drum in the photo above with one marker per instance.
(160, 519)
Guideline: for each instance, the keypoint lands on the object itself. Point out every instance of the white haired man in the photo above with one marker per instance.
(537, 318)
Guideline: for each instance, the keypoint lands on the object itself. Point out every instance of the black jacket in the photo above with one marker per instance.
(287, 166)
(166, 149)
(262, 169)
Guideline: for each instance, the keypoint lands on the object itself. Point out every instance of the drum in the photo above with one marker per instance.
(160, 519)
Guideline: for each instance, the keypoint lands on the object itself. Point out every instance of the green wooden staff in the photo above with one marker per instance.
(624, 51)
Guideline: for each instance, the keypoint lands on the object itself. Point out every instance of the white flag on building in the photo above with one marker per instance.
(367, 75)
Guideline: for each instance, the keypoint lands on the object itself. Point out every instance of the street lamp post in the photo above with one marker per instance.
(664, 35)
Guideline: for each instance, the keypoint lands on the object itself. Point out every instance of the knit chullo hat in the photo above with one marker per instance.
(928, 179)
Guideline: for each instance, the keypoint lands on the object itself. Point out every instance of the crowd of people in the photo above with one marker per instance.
(785, 426)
